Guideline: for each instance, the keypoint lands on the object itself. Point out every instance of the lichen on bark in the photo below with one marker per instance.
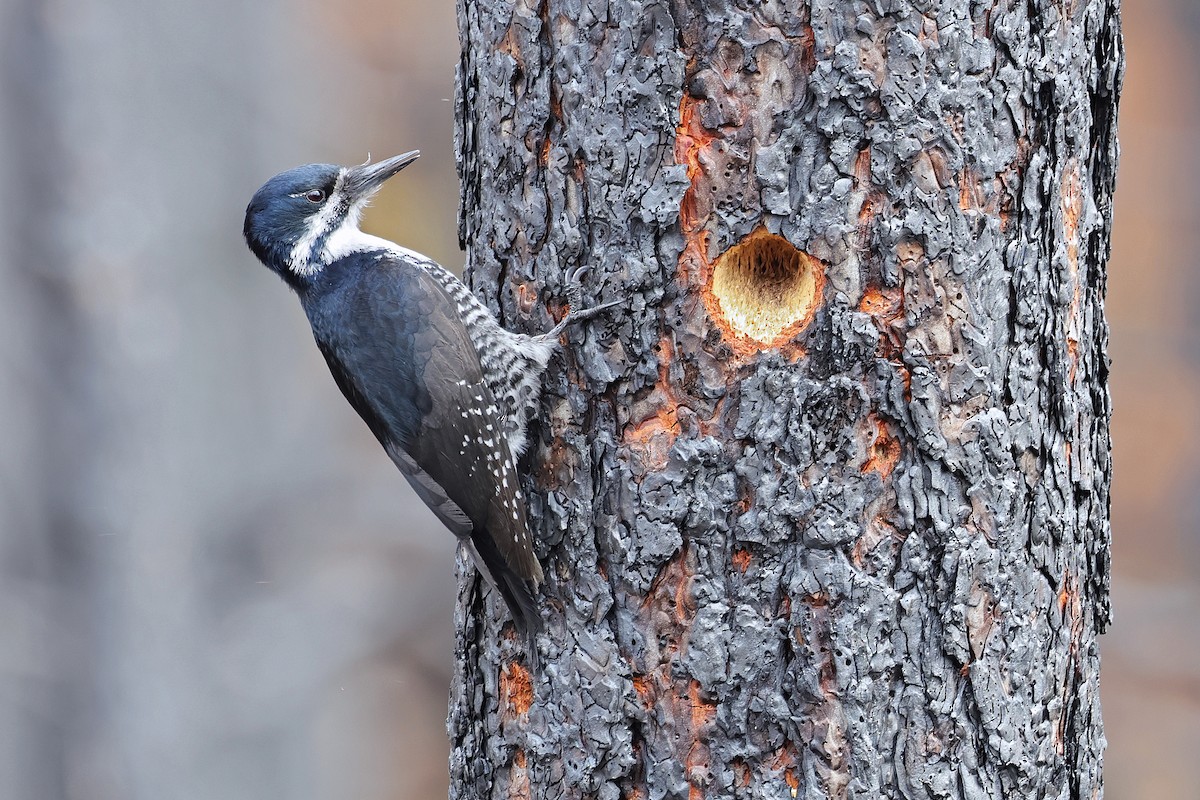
(867, 561)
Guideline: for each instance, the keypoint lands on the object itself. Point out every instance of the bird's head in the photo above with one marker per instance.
(296, 215)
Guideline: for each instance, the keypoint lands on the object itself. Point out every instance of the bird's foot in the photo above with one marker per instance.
(574, 292)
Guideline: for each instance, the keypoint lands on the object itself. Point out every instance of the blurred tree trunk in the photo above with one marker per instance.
(47, 585)
(824, 511)
(139, 483)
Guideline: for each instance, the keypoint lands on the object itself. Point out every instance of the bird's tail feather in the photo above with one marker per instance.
(525, 614)
(516, 591)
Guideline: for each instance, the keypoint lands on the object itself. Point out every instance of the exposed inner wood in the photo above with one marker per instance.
(764, 286)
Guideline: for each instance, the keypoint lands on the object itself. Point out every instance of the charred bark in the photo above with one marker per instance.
(824, 511)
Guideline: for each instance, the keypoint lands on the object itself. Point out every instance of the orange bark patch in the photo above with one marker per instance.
(526, 297)
(741, 560)
(884, 453)
(703, 711)
(692, 139)
(510, 47)
(654, 437)
(516, 690)
(967, 196)
(815, 600)
(808, 45)
(685, 604)
(1071, 203)
(886, 303)
(670, 592)
(651, 438)
(793, 782)
(784, 762)
(1071, 207)
(974, 195)
(1070, 604)
(878, 530)
(741, 773)
(644, 689)
(862, 167)
(868, 212)
(1067, 595)
(667, 614)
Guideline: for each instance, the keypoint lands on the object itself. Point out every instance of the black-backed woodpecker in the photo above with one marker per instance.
(445, 389)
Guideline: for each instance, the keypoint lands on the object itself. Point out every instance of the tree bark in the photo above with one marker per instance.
(824, 509)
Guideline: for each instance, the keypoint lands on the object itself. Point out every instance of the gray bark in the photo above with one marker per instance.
(826, 522)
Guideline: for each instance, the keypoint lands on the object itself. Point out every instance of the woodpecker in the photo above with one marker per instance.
(445, 389)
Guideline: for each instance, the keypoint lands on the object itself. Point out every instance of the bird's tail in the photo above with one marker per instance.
(516, 591)
(526, 617)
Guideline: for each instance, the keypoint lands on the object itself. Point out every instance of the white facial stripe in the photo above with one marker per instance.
(345, 240)
(301, 261)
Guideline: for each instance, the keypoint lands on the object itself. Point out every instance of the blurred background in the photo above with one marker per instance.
(212, 581)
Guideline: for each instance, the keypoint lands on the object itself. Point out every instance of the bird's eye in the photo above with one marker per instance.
(314, 196)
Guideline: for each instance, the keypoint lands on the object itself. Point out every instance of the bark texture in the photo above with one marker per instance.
(824, 511)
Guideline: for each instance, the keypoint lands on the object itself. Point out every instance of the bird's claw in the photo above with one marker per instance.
(575, 276)
(574, 287)
(574, 293)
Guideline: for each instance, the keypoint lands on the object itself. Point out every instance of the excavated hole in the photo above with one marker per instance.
(765, 288)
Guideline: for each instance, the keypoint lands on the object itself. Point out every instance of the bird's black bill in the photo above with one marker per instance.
(365, 180)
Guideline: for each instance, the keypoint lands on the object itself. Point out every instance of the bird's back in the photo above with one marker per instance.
(401, 354)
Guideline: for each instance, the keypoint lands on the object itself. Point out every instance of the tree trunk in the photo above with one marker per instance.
(824, 509)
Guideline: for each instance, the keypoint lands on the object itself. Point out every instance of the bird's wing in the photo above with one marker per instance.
(399, 351)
